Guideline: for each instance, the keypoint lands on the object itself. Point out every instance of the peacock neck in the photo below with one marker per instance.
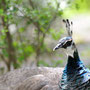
(73, 62)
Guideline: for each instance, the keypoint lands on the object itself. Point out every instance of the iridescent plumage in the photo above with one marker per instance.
(75, 75)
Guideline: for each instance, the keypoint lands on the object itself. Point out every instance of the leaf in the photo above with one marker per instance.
(5, 52)
(1, 11)
(77, 6)
(21, 29)
(56, 34)
(15, 44)
(4, 30)
(3, 37)
(29, 49)
(60, 12)
(21, 58)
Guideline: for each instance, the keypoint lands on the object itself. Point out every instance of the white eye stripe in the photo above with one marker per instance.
(67, 41)
(62, 43)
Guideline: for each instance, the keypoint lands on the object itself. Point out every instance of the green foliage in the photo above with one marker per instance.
(21, 29)
(82, 5)
(1, 12)
(41, 16)
(56, 34)
(4, 52)
(77, 7)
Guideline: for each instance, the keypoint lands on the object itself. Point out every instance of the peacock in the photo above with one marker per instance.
(75, 75)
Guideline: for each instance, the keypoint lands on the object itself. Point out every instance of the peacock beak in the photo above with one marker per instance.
(57, 46)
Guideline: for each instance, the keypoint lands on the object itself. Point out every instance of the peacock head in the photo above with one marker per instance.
(67, 43)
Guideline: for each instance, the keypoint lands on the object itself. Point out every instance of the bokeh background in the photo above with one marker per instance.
(29, 30)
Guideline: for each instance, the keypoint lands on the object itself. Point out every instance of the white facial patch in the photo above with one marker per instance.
(69, 51)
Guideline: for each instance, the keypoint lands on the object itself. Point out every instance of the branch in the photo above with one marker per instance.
(3, 58)
(35, 23)
(31, 4)
(54, 17)
(2, 47)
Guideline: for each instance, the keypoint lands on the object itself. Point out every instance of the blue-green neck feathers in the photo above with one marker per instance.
(75, 75)
(73, 62)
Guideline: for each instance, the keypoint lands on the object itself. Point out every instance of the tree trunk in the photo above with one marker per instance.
(11, 51)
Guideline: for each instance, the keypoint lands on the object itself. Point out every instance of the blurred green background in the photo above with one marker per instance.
(29, 29)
